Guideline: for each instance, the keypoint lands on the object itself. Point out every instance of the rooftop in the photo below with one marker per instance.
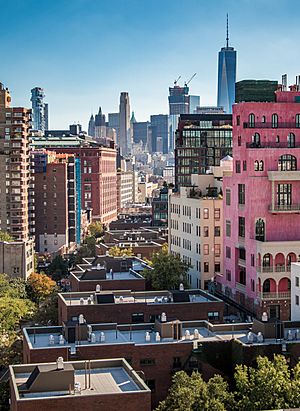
(146, 297)
(75, 378)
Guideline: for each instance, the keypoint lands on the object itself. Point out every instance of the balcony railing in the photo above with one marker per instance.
(284, 208)
(276, 269)
(280, 295)
(272, 125)
(273, 144)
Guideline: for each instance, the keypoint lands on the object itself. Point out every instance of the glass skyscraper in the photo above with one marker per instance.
(226, 76)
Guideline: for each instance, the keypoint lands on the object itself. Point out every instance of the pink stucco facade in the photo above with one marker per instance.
(262, 236)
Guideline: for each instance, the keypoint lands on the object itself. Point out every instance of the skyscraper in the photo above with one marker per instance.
(125, 141)
(179, 100)
(226, 76)
(91, 127)
(39, 111)
(160, 133)
(100, 125)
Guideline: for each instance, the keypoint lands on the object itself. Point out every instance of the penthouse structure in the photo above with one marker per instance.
(261, 210)
(108, 384)
(109, 273)
(137, 307)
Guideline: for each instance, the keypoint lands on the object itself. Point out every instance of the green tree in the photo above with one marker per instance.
(168, 271)
(96, 229)
(116, 251)
(47, 313)
(58, 268)
(12, 287)
(12, 310)
(193, 393)
(5, 236)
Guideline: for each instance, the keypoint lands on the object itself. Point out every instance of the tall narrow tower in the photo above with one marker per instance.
(125, 140)
(226, 75)
(39, 111)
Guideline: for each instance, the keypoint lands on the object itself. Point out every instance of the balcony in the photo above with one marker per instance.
(271, 125)
(280, 295)
(284, 208)
(277, 269)
(283, 175)
(240, 287)
(273, 144)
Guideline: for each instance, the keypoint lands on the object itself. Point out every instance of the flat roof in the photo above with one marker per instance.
(106, 376)
(134, 297)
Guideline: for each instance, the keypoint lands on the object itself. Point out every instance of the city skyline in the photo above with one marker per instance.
(65, 54)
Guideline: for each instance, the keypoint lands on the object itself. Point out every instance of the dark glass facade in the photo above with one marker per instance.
(202, 140)
(226, 78)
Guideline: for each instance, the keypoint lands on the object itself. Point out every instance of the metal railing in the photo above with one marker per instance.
(284, 207)
(273, 144)
(277, 269)
(280, 124)
(280, 295)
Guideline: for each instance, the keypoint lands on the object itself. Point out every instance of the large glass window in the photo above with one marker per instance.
(284, 194)
(291, 140)
(260, 230)
(274, 120)
(287, 162)
(251, 120)
(256, 139)
(297, 120)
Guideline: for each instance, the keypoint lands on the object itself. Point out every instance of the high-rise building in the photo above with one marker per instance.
(91, 127)
(226, 76)
(194, 103)
(160, 133)
(141, 131)
(46, 109)
(39, 111)
(100, 125)
(179, 100)
(202, 140)
(125, 140)
(15, 168)
(255, 90)
(262, 204)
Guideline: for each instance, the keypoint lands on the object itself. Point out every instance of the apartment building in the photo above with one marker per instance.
(195, 224)
(125, 182)
(261, 209)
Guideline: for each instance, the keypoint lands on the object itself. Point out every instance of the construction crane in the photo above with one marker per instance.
(188, 82)
(176, 81)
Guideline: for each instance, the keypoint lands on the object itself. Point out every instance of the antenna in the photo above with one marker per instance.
(227, 32)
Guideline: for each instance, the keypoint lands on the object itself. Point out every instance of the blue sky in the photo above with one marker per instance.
(84, 52)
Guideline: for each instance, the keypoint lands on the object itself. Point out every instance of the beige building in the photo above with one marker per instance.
(125, 189)
(195, 225)
(17, 258)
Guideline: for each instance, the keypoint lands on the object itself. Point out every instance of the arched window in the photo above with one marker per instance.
(274, 120)
(256, 140)
(260, 230)
(263, 119)
(267, 260)
(267, 286)
(291, 140)
(287, 162)
(297, 120)
(256, 165)
(251, 120)
(261, 165)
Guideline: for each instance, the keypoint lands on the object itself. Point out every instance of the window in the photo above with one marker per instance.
(261, 166)
(256, 140)
(228, 196)
(238, 120)
(176, 362)
(241, 193)
(251, 120)
(217, 231)
(297, 118)
(244, 165)
(228, 252)
(137, 318)
(217, 250)
(252, 285)
(228, 275)
(206, 267)
(242, 275)
(297, 299)
(228, 228)
(241, 226)
(256, 165)
(213, 316)
(205, 213)
(277, 139)
(267, 260)
(147, 361)
(217, 214)
(252, 260)
(297, 281)
(274, 120)
(287, 162)
(206, 249)
(205, 231)
(239, 141)
(260, 230)
(284, 194)
(237, 166)
(291, 140)
(263, 119)
(217, 268)
(242, 254)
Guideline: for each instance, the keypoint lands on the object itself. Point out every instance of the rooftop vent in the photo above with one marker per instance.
(181, 287)
(60, 363)
(81, 319)
(98, 288)
(163, 317)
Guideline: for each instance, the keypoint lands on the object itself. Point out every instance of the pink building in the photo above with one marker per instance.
(262, 205)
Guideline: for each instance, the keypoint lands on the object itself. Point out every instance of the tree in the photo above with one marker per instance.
(58, 268)
(12, 287)
(96, 229)
(39, 286)
(12, 310)
(4, 236)
(47, 313)
(168, 271)
(116, 251)
(193, 393)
